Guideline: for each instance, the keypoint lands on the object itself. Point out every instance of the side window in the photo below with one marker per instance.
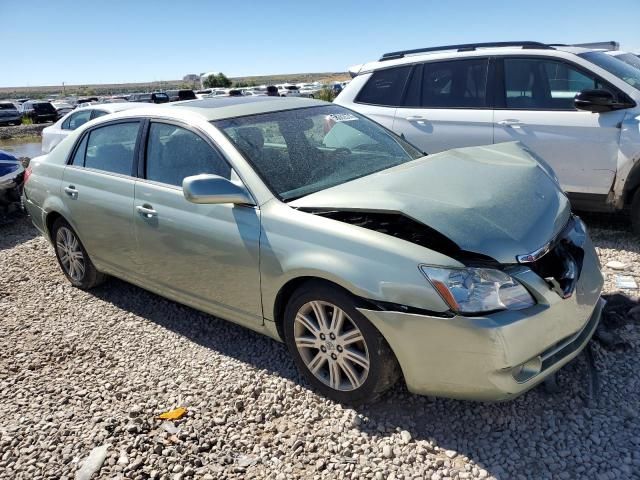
(111, 148)
(98, 113)
(543, 84)
(78, 157)
(455, 84)
(174, 153)
(385, 87)
(76, 120)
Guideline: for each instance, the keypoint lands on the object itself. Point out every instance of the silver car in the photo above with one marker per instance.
(463, 273)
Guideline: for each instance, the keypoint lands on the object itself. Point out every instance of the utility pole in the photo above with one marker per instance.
(64, 92)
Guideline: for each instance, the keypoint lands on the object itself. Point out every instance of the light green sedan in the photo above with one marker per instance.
(463, 273)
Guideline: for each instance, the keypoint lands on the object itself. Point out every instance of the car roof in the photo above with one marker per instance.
(229, 107)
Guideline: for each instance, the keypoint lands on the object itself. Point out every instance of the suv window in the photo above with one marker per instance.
(385, 87)
(174, 153)
(451, 84)
(7, 106)
(76, 120)
(543, 84)
(111, 148)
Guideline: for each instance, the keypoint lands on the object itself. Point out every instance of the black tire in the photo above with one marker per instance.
(635, 213)
(90, 276)
(383, 371)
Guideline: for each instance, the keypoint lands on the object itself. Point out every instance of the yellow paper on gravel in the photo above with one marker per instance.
(175, 414)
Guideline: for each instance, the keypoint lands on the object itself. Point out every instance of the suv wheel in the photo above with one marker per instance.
(335, 347)
(73, 258)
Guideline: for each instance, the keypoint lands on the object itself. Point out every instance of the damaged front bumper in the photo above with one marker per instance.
(500, 355)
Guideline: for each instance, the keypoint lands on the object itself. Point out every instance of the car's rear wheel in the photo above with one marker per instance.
(73, 258)
(335, 347)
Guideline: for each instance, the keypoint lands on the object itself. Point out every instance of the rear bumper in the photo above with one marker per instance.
(482, 358)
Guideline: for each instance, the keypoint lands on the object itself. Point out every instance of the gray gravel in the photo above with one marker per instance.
(79, 371)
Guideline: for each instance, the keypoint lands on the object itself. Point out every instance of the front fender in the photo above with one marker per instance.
(369, 264)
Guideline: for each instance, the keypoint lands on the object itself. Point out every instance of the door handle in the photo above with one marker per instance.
(511, 122)
(416, 118)
(71, 191)
(146, 211)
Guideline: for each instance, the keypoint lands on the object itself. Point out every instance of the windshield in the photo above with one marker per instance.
(620, 69)
(629, 58)
(302, 151)
(7, 106)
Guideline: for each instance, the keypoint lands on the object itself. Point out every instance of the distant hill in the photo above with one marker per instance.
(119, 88)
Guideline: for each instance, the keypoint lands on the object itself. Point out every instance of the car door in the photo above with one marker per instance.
(206, 256)
(535, 105)
(98, 190)
(446, 105)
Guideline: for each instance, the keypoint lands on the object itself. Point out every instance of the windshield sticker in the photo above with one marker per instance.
(342, 117)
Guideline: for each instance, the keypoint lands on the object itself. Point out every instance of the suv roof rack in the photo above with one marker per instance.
(464, 47)
(610, 45)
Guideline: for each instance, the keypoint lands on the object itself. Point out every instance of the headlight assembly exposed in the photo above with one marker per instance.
(477, 290)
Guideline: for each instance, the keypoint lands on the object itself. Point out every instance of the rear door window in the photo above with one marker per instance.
(78, 157)
(451, 84)
(385, 87)
(111, 148)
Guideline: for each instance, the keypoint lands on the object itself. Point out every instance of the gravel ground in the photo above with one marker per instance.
(83, 370)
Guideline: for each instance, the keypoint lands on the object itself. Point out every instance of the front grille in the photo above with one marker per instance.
(562, 264)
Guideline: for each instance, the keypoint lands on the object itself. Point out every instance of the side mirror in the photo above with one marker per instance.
(213, 189)
(596, 101)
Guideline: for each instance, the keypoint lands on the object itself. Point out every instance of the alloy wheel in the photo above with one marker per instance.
(70, 254)
(331, 345)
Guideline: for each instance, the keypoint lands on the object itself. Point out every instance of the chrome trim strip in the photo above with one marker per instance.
(542, 251)
(535, 255)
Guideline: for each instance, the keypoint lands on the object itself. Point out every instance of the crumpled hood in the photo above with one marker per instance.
(494, 200)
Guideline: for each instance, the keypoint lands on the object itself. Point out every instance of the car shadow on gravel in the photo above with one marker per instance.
(213, 333)
(16, 230)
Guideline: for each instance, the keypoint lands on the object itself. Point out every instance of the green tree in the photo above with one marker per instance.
(224, 81)
(217, 81)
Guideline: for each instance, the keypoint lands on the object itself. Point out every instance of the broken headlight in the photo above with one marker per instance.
(477, 290)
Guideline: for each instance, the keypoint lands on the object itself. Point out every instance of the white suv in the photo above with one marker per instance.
(578, 109)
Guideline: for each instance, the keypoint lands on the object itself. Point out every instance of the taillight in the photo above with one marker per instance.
(27, 174)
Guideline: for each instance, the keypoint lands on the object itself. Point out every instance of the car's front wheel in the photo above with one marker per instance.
(73, 258)
(335, 347)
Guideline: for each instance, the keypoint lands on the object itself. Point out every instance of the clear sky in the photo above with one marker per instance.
(47, 42)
